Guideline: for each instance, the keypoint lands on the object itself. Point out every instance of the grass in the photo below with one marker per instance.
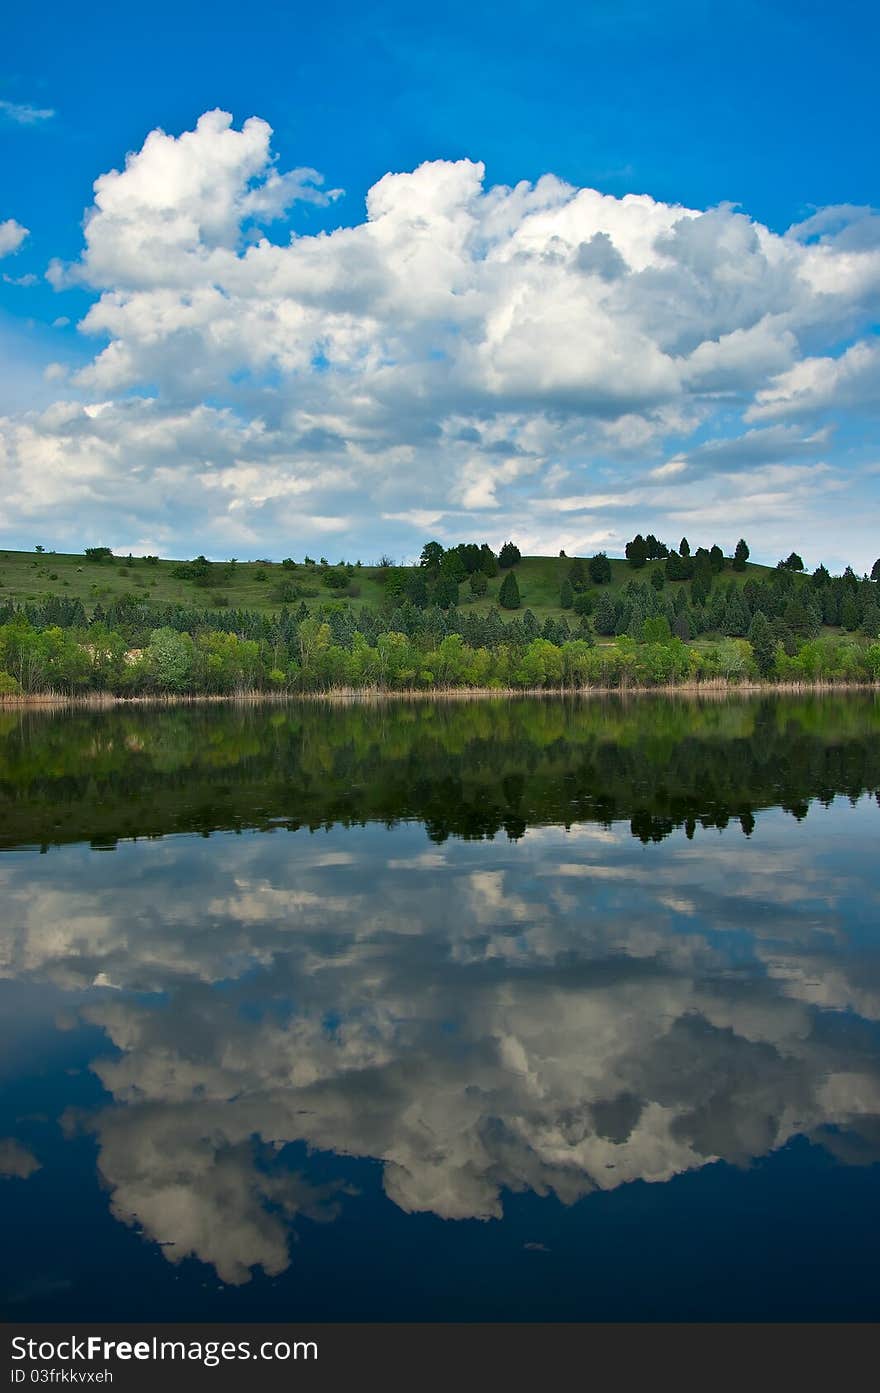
(29, 576)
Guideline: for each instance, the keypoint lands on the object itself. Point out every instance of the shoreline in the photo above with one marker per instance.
(715, 688)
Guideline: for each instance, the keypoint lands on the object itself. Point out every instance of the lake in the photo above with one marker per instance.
(478, 1010)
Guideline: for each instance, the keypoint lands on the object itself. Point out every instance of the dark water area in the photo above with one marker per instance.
(490, 1010)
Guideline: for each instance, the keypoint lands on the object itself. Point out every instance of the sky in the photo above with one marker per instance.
(351, 277)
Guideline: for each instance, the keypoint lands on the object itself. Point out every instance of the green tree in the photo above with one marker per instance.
(599, 568)
(508, 595)
(636, 552)
(792, 562)
(168, 659)
(566, 594)
(658, 580)
(478, 582)
(684, 548)
(509, 555)
(432, 555)
(761, 638)
(577, 574)
(875, 570)
(740, 555)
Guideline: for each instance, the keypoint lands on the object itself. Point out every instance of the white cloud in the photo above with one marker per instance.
(12, 234)
(818, 384)
(23, 114)
(465, 358)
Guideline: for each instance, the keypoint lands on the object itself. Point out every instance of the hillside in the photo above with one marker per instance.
(255, 585)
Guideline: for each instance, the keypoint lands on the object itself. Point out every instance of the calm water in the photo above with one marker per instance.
(498, 1010)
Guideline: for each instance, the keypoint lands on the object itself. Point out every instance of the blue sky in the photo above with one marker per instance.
(377, 437)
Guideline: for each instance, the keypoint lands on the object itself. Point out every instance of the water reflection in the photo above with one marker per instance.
(559, 1013)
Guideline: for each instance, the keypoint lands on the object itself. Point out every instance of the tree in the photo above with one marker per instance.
(716, 558)
(792, 563)
(679, 567)
(417, 590)
(566, 595)
(849, 613)
(446, 592)
(741, 555)
(605, 618)
(488, 561)
(98, 554)
(875, 570)
(432, 555)
(684, 548)
(577, 574)
(169, 659)
(599, 568)
(760, 636)
(656, 629)
(636, 552)
(508, 595)
(478, 582)
(509, 555)
(658, 580)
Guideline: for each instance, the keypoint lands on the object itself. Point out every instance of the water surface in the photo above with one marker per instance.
(480, 1010)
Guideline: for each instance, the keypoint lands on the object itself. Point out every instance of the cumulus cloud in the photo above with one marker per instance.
(456, 359)
(817, 385)
(12, 234)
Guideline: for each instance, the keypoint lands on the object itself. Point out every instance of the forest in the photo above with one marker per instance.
(660, 616)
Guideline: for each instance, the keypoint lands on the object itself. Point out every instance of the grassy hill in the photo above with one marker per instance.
(254, 585)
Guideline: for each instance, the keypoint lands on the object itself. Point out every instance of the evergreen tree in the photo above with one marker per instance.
(684, 548)
(763, 646)
(636, 552)
(792, 562)
(875, 570)
(508, 595)
(509, 555)
(599, 568)
(741, 555)
(849, 612)
(488, 561)
(658, 580)
(716, 558)
(566, 595)
(605, 618)
(577, 574)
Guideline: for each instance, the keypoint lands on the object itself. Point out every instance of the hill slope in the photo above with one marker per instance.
(257, 585)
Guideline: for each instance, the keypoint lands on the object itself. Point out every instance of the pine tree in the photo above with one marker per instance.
(599, 568)
(741, 555)
(566, 595)
(763, 646)
(508, 595)
(684, 548)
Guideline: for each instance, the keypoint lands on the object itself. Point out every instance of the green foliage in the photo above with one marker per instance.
(599, 568)
(509, 555)
(98, 554)
(508, 595)
(740, 555)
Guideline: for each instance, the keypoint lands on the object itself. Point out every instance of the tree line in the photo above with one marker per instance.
(650, 632)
